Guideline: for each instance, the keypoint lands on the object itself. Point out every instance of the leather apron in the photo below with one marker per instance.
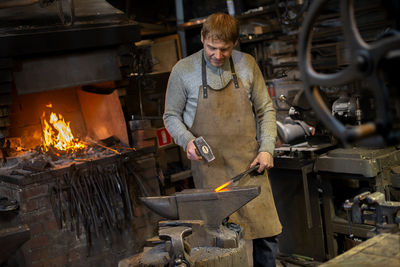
(226, 121)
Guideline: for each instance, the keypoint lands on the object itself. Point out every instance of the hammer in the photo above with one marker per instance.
(204, 149)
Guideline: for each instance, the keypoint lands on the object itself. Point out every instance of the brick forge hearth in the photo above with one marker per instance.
(75, 70)
(98, 117)
(51, 246)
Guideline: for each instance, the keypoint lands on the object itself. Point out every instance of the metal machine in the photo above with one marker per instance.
(369, 62)
(340, 189)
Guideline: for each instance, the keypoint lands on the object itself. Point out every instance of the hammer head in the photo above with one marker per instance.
(204, 149)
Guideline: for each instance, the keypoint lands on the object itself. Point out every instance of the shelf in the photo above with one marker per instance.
(180, 176)
(192, 24)
(257, 38)
(265, 10)
(199, 22)
(157, 73)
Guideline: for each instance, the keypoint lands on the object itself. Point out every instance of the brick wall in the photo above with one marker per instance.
(51, 246)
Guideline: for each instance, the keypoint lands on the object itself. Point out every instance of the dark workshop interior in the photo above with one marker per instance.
(89, 175)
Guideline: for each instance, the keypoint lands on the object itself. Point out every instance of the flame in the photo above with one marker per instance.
(58, 134)
(49, 105)
(222, 187)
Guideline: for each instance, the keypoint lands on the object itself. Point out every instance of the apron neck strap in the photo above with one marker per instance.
(204, 75)
(234, 77)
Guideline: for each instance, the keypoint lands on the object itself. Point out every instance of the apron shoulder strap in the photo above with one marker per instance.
(234, 76)
(204, 75)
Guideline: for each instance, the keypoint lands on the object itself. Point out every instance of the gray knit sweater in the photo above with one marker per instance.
(183, 90)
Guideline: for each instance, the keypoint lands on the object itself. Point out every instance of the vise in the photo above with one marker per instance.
(369, 206)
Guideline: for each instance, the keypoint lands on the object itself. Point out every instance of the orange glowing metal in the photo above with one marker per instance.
(58, 134)
(222, 187)
(49, 105)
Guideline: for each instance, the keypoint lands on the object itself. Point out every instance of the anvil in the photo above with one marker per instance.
(197, 216)
(202, 204)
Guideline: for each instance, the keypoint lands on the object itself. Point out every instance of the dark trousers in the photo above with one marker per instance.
(265, 251)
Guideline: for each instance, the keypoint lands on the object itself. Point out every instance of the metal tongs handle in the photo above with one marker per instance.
(241, 175)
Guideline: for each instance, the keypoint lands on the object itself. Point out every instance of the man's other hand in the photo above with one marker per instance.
(265, 160)
(191, 152)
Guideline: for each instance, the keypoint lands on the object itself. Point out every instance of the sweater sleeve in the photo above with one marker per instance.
(265, 112)
(175, 101)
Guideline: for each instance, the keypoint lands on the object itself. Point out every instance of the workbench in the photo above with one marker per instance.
(381, 250)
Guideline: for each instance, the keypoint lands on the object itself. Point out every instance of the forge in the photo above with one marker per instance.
(197, 232)
(73, 205)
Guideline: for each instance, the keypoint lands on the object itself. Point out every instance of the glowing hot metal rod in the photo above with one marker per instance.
(223, 187)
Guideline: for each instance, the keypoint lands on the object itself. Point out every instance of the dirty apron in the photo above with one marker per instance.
(226, 121)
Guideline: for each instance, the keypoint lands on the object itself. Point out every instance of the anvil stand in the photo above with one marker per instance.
(194, 234)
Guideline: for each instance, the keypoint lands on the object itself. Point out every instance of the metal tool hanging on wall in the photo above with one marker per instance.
(93, 198)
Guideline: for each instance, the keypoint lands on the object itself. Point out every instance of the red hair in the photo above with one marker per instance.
(222, 27)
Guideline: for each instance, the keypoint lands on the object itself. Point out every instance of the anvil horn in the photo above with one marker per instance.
(164, 206)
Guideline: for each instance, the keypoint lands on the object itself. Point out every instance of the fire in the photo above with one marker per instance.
(223, 188)
(58, 134)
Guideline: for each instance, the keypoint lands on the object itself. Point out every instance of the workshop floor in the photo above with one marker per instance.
(249, 248)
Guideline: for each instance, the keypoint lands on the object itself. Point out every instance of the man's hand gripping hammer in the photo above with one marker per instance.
(204, 149)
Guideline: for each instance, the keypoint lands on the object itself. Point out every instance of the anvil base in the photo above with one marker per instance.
(193, 244)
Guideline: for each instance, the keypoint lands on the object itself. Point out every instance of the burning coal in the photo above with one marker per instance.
(57, 147)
